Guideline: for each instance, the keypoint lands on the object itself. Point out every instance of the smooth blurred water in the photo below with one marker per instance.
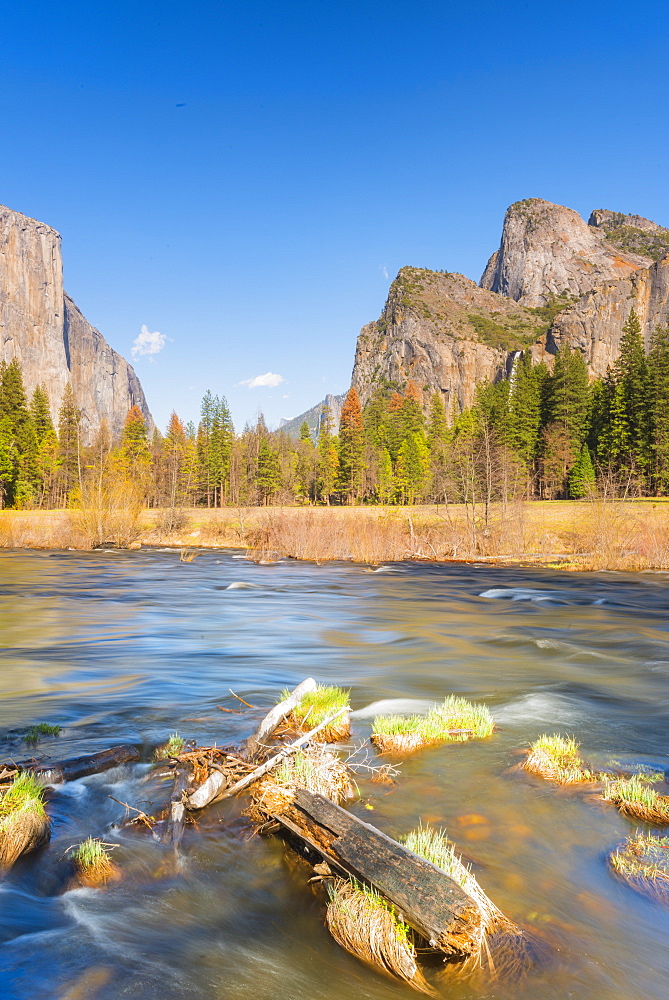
(131, 646)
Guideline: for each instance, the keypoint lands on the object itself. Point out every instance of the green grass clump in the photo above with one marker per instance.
(92, 861)
(23, 795)
(557, 758)
(33, 734)
(316, 706)
(172, 748)
(643, 862)
(635, 797)
(89, 852)
(455, 720)
(435, 847)
(24, 824)
(317, 769)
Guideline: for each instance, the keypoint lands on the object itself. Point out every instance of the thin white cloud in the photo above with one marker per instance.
(268, 379)
(147, 342)
(384, 272)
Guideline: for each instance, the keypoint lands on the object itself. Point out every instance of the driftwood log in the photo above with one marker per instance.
(80, 767)
(428, 900)
(257, 741)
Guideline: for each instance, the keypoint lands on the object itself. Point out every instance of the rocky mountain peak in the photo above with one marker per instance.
(548, 251)
(632, 233)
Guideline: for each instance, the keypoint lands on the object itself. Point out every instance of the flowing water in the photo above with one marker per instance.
(129, 647)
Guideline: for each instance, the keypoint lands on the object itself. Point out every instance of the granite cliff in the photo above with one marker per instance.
(42, 327)
(555, 280)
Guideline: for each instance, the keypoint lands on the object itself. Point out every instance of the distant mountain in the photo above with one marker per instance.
(313, 417)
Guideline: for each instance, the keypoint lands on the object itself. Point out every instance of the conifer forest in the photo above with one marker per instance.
(536, 434)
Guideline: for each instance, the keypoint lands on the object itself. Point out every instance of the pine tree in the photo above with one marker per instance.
(525, 412)
(328, 458)
(625, 412)
(567, 404)
(582, 476)
(207, 476)
(395, 427)
(40, 412)
(19, 441)
(268, 474)
(634, 391)
(351, 447)
(375, 418)
(133, 460)
(385, 487)
(69, 453)
(412, 468)
(222, 434)
(412, 410)
(305, 433)
(47, 444)
(658, 370)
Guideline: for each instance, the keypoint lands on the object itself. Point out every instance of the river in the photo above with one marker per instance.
(132, 646)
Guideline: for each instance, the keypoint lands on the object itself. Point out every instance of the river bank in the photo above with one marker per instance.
(580, 535)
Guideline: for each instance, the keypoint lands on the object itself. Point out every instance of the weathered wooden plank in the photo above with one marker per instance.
(176, 819)
(81, 767)
(431, 902)
(256, 742)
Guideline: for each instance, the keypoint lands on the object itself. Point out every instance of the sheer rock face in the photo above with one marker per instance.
(548, 251)
(42, 327)
(442, 332)
(595, 323)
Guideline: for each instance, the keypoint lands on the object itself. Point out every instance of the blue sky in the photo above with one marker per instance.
(245, 180)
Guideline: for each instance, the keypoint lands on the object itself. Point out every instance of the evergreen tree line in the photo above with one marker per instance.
(537, 434)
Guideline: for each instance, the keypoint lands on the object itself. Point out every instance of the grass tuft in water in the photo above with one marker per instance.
(367, 925)
(643, 862)
(25, 794)
(316, 706)
(92, 861)
(318, 770)
(557, 758)
(315, 767)
(33, 734)
(635, 797)
(454, 720)
(501, 945)
(24, 825)
(172, 748)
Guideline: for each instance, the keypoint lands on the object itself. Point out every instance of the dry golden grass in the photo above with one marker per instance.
(24, 824)
(365, 924)
(590, 535)
(643, 862)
